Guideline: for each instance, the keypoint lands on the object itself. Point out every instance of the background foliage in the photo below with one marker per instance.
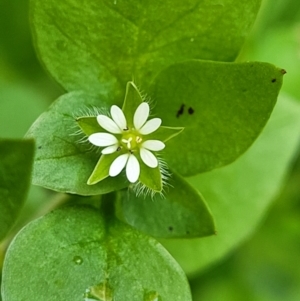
(263, 267)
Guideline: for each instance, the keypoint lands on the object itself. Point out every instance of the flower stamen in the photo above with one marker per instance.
(138, 139)
(128, 142)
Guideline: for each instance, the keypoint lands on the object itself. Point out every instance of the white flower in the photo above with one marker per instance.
(130, 141)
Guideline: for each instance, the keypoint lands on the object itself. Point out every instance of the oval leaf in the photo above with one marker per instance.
(93, 45)
(222, 106)
(64, 160)
(240, 194)
(82, 256)
(179, 212)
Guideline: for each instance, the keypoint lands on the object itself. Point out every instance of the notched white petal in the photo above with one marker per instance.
(141, 115)
(110, 149)
(148, 158)
(132, 169)
(103, 139)
(154, 145)
(118, 117)
(150, 126)
(108, 124)
(118, 165)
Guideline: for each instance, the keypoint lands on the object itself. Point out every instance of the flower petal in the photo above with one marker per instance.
(108, 124)
(118, 117)
(110, 149)
(153, 145)
(148, 158)
(118, 165)
(150, 126)
(103, 139)
(132, 169)
(141, 115)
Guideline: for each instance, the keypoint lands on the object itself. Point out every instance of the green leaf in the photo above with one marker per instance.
(96, 45)
(222, 107)
(64, 159)
(15, 170)
(82, 254)
(240, 194)
(180, 213)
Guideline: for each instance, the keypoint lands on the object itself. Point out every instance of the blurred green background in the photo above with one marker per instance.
(264, 268)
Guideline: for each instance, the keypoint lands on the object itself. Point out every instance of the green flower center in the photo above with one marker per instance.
(131, 140)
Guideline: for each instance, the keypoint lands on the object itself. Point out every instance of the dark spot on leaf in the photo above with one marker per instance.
(39, 147)
(283, 71)
(180, 111)
(170, 228)
(187, 232)
(191, 110)
(273, 80)
(78, 260)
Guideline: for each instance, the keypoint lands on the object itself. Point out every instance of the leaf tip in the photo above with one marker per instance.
(283, 71)
(92, 181)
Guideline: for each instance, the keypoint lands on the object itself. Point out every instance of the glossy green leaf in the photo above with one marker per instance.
(240, 193)
(15, 171)
(96, 45)
(82, 255)
(180, 212)
(64, 159)
(222, 107)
